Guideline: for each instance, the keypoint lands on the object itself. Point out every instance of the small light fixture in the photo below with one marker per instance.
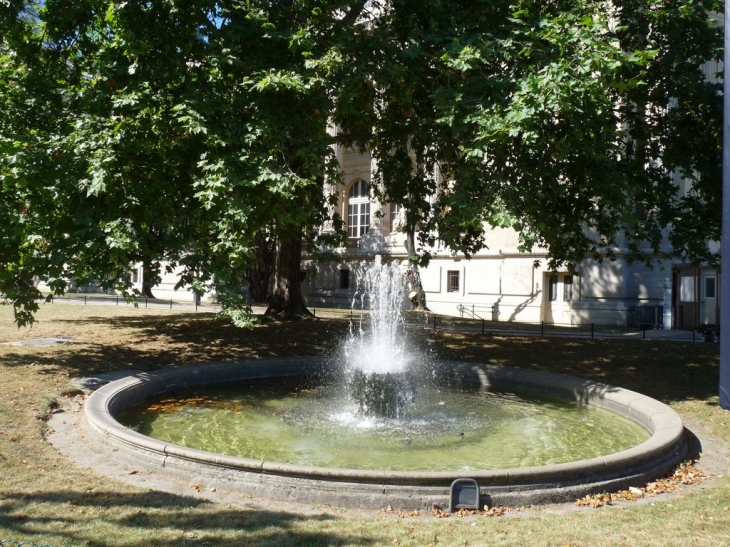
(464, 495)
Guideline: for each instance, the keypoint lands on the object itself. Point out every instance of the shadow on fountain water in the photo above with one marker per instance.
(579, 390)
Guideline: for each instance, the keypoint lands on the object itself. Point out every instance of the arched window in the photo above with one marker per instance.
(395, 209)
(358, 210)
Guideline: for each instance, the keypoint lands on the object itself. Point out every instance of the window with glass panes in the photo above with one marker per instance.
(395, 208)
(452, 281)
(358, 210)
(568, 288)
(553, 288)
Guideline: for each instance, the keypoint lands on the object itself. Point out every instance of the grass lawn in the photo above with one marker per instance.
(46, 499)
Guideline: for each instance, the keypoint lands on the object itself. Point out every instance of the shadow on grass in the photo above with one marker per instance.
(666, 370)
(154, 342)
(159, 519)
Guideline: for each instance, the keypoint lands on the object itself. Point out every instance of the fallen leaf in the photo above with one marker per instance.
(686, 474)
(494, 511)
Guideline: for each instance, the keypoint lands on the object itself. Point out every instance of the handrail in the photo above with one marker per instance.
(472, 311)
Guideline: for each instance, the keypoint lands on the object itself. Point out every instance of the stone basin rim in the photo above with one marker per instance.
(665, 447)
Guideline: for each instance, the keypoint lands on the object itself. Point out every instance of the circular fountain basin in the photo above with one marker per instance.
(361, 488)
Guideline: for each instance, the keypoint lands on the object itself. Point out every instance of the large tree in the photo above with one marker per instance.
(569, 121)
(170, 132)
(97, 162)
(177, 132)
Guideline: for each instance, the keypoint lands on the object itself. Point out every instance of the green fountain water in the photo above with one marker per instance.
(289, 421)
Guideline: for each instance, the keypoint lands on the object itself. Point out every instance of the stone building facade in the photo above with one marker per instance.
(503, 283)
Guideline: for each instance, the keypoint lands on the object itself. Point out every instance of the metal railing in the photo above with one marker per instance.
(142, 302)
(471, 323)
(479, 312)
(651, 316)
(555, 330)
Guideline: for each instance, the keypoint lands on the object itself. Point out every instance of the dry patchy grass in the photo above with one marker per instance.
(45, 499)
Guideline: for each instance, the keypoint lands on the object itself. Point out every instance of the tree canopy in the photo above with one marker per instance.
(167, 132)
(568, 121)
(179, 132)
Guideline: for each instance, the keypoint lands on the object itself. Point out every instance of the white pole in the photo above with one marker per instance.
(725, 243)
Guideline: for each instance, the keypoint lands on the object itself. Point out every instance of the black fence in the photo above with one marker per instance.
(339, 313)
(142, 302)
(416, 321)
(649, 318)
(644, 316)
(555, 330)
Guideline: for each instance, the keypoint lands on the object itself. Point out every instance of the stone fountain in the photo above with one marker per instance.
(381, 371)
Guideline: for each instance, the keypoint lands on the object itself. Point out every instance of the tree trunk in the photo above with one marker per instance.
(259, 286)
(148, 277)
(416, 294)
(286, 299)
(260, 272)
